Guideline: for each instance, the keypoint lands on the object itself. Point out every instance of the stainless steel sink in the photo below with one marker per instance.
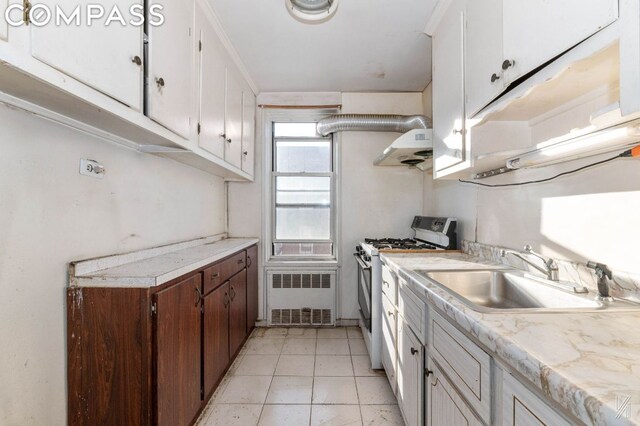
(492, 291)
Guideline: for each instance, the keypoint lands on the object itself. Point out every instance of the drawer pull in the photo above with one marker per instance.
(414, 351)
(390, 313)
(233, 294)
(249, 262)
(240, 261)
(226, 300)
(198, 296)
(215, 275)
(385, 283)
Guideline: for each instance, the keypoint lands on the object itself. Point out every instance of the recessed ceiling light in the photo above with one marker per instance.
(312, 11)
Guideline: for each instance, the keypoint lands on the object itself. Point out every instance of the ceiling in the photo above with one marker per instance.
(369, 45)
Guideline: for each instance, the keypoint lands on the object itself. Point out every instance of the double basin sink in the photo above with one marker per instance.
(512, 291)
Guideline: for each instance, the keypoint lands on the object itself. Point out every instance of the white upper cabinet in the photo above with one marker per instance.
(233, 119)
(248, 130)
(171, 67)
(536, 31)
(483, 53)
(212, 71)
(448, 92)
(107, 58)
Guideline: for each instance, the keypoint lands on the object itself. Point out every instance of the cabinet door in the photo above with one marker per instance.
(177, 352)
(212, 71)
(410, 373)
(215, 336)
(389, 341)
(448, 92)
(520, 407)
(171, 59)
(444, 406)
(233, 119)
(536, 31)
(483, 53)
(100, 56)
(252, 287)
(248, 130)
(238, 313)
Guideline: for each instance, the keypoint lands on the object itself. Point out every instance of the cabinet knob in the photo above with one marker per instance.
(495, 77)
(414, 351)
(390, 314)
(223, 136)
(229, 140)
(136, 60)
(507, 64)
(245, 153)
(458, 131)
(160, 82)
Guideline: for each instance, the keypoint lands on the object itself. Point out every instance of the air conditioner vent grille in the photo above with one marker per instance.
(304, 316)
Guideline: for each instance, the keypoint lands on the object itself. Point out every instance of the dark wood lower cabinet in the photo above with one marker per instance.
(252, 287)
(238, 312)
(215, 337)
(177, 352)
(153, 356)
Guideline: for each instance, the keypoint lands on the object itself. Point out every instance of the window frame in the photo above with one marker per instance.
(298, 116)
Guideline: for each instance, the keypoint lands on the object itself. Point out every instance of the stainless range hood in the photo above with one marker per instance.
(414, 148)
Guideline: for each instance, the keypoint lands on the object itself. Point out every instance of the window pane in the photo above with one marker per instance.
(303, 223)
(294, 130)
(303, 191)
(303, 249)
(303, 156)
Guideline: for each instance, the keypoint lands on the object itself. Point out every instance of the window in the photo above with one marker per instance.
(303, 182)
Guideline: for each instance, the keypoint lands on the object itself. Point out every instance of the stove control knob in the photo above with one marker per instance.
(358, 249)
(367, 258)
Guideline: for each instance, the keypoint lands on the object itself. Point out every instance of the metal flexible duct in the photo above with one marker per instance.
(372, 123)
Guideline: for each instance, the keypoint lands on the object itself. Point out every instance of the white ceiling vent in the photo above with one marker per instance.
(312, 11)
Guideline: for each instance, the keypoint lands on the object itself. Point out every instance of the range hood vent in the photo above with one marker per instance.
(372, 123)
(414, 148)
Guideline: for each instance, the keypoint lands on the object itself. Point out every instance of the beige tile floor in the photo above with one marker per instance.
(303, 376)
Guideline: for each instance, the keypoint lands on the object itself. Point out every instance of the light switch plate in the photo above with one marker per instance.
(92, 168)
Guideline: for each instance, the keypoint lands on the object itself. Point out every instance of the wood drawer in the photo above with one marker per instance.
(222, 271)
(412, 309)
(468, 366)
(390, 284)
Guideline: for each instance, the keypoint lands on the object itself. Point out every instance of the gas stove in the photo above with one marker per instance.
(407, 244)
(431, 234)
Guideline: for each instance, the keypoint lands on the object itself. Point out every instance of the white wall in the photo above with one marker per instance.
(591, 215)
(49, 216)
(376, 201)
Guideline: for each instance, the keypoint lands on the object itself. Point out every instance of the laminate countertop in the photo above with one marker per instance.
(153, 269)
(587, 362)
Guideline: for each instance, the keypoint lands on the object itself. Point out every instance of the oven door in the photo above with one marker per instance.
(364, 290)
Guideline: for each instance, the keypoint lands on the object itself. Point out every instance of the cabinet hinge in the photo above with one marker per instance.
(199, 128)
(154, 308)
(26, 11)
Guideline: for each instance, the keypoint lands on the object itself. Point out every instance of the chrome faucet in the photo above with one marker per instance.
(550, 270)
(604, 274)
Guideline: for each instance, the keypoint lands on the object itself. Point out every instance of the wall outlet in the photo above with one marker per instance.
(92, 168)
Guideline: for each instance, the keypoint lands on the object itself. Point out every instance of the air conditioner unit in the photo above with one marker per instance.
(301, 297)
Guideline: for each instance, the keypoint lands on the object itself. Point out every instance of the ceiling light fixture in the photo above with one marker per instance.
(312, 11)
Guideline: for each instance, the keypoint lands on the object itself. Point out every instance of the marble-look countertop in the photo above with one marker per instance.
(587, 362)
(159, 269)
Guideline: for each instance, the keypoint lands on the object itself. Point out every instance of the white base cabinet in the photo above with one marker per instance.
(444, 405)
(520, 407)
(389, 332)
(410, 374)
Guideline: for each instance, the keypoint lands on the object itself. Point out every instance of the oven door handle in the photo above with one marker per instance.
(361, 262)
